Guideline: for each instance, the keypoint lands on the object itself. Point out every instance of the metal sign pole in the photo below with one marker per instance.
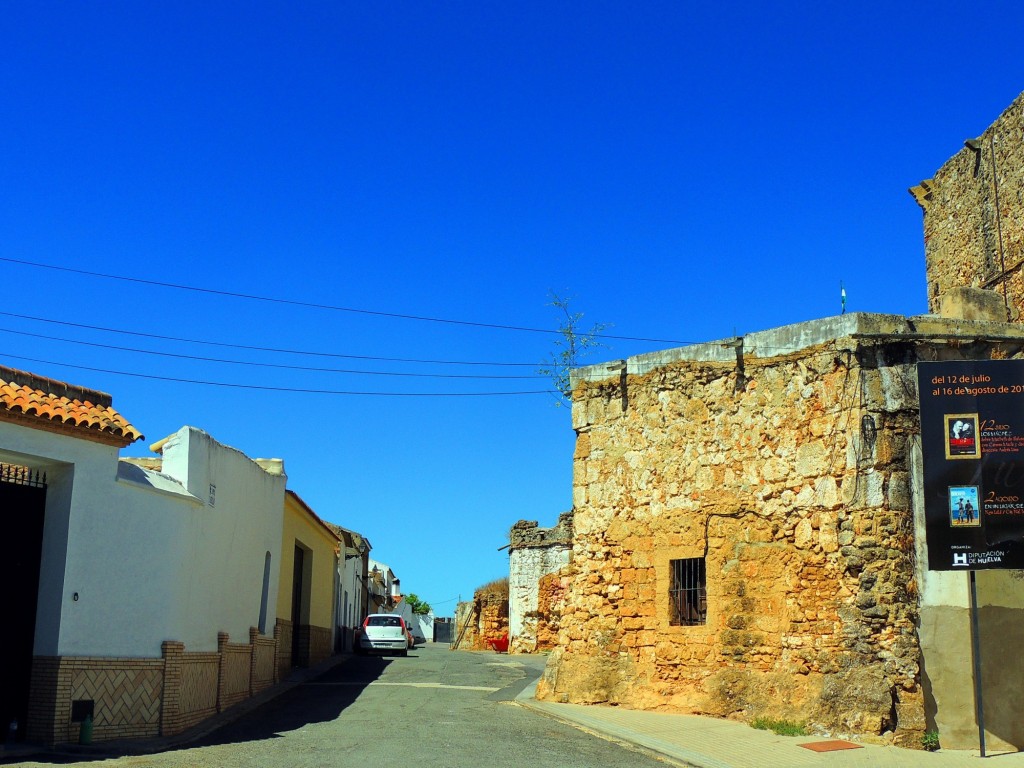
(979, 707)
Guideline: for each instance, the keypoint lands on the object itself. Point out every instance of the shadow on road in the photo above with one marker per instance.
(317, 700)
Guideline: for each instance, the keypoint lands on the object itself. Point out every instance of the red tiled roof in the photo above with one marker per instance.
(43, 403)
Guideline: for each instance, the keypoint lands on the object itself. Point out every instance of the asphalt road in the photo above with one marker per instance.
(433, 708)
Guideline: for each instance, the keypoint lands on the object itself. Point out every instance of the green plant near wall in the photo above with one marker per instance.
(417, 606)
(930, 741)
(781, 727)
(571, 346)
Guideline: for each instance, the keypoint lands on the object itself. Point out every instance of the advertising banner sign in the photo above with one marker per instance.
(972, 439)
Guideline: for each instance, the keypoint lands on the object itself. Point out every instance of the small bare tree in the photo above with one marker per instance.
(571, 347)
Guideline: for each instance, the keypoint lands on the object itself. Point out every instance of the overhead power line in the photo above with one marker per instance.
(297, 390)
(201, 358)
(433, 603)
(787, 349)
(310, 353)
(315, 305)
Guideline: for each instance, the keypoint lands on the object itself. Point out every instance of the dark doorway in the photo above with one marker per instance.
(22, 512)
(298, 569)
(444, 630)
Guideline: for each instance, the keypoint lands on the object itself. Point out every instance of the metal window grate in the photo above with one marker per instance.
(688, 595)
(18, 475)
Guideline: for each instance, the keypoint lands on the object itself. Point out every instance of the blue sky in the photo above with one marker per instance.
(684, 171)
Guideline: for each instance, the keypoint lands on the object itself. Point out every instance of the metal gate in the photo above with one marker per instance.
(22, 515)
(12, 473)
(444, 630)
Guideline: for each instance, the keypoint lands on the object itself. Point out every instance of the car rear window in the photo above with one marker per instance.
(383, 621)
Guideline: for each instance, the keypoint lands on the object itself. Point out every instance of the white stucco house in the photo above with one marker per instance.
(352, 593)
(145, 587)
(384, 587)
(420, 624)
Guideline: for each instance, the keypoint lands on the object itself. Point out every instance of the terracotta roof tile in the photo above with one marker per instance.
(52, 404)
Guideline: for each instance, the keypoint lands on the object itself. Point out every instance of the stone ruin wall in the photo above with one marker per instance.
(970, 240)
(552, 598)
(484, 618)
(493, 618)
(534, 553)
(467, 625)
(805, 523)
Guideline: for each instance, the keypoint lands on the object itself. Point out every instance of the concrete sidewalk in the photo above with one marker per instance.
(707, 742)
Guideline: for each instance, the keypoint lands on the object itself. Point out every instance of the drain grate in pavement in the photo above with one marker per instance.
(830, 746)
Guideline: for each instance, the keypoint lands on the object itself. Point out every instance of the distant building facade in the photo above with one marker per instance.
(144, 584)
(308, 587)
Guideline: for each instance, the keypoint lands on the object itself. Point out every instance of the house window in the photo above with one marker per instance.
(688, 594)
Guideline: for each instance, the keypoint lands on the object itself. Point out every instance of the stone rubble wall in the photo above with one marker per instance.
(493, 619)
(533, 554)
(552, 596)
(971, 240)
(793, 477)
(467, 625)
(526, 533)
(485, 618)
(804, 519)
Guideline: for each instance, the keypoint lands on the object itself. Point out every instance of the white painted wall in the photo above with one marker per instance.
(403, 610)
(387, 574)
(385, 590)
(352, 583)
(150, 559)
(124, 563)
(80, 474)
(423, 626)
(526, 567)
(350, 591)
(225, 543)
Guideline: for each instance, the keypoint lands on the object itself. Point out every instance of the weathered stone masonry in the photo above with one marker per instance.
(536, 553)
(483, 619)
(791, 478)
(973, 223)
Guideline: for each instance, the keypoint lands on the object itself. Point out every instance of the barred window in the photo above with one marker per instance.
(688, 594)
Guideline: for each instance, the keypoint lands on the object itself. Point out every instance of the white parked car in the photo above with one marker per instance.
(384, 632)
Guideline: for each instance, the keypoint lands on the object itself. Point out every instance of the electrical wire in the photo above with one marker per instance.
(310, 353)
(319, 353)
(140, 334)
(262, 387)
(315, 305)
(265, 365)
